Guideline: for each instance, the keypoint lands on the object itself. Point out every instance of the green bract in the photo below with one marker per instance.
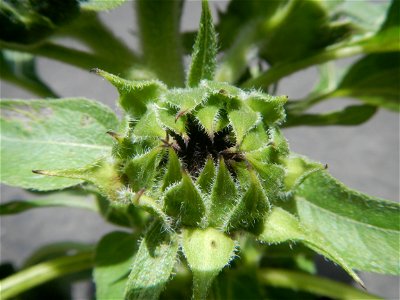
(201, 173)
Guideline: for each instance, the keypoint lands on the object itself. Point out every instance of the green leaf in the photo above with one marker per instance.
(64, 199)
(134, 95)
(223, 196)
(152, 265)
(55, 250)
(113, 259)
(297, 169)
(102, 174)
(359, 14)
(387, 38)
(236, 286)
(45, 272)
(364, 230)
(173, 174)
(20, 69)
(151, 206)
(185, 202)
(349, 116)
(392, 16)
(204, 50)
(281, 226)
(300, 29)
(375, 80)
(121, 214)
(142, 169)
(28, 22)
(100, 5)
(299, 281)
(49, 135)
(207, 252)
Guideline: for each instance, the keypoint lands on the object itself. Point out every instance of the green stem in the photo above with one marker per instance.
(237, 57)
(279, 71)
(77, 58)
(89, 29)
(36, 88)
(158, 22)
(44, 272)
(299, 106)
(312, 284)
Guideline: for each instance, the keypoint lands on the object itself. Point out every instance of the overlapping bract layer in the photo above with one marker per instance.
(201, 153)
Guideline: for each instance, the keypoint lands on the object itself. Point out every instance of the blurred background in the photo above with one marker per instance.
(365, 157)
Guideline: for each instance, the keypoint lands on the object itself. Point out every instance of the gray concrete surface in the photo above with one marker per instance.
(365, 157)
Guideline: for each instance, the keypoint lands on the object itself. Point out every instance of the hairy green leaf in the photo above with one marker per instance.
(50, 135)
(297, 169)
(364, 230)
(102, 174)
(114, 255)
(152, 265)
(207, 252)
(281, 226)
(204, 50)
(64, 199)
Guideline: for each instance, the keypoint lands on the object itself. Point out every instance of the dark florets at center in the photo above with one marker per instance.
(195, 150)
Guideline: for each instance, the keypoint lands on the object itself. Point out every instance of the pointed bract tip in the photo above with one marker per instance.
(179, 114)
(41, 172)
(115, 135)
(186, 140)
(326, 166)
(95, 71)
